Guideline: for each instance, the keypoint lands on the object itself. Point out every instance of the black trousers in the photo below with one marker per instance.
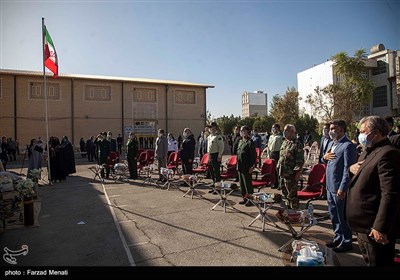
(187, 166)
(376, 254)
(132, 165)
(215, 167)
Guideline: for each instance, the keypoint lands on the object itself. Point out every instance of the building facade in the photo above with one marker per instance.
(80, 106)
(254, 103)
(381, 69)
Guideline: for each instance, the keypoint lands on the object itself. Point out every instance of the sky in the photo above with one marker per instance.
(235, 46)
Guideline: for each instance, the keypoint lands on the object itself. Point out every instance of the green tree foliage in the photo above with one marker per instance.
(354, 89)
(263, 124)
(227, 124)
(321, 102)
(285, 109)
(309, 123)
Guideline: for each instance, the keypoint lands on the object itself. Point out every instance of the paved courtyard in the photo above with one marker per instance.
(86, 223)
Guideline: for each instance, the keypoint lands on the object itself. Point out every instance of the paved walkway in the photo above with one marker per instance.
(85, 223)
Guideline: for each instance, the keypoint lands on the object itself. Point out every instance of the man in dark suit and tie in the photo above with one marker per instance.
(325, 140)
(373, 201)
(341, 154)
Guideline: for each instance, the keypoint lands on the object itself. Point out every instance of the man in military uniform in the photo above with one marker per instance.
(215, 148)
(246, 153)
(290, 165)
(132, 148)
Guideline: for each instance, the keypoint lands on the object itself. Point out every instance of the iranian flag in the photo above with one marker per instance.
(50, 55)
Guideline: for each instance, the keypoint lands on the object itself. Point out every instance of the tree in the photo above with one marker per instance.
(263, 124)
(226, 124)
(322, 102)
(285, 109)
(309, 123)
(354, 89)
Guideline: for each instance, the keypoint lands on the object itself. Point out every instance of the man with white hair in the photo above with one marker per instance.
(373, 199)
(290, 165)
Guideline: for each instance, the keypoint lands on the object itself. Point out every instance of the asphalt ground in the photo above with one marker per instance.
(85, 223)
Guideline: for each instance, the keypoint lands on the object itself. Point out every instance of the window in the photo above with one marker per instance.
(97, 93)
(380, 97)
(380, 69)
(37, 91)
(185, 97)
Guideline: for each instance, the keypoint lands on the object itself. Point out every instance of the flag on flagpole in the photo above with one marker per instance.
(50, 55)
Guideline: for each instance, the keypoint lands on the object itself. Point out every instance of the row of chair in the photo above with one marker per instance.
(313, 189)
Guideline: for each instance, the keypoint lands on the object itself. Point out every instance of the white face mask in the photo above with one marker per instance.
(160, 134)
(273, 130)
(185, 134)
(333, 135)
(242, 134)
(362, 139)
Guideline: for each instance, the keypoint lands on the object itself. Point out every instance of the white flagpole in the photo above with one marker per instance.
(46, 104)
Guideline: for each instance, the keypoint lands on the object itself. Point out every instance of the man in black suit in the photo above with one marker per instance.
(373, 200)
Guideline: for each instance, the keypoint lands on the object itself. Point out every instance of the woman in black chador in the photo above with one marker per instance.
(56, 160)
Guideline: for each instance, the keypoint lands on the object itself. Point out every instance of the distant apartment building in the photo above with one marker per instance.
(254, 103)
(381, 65)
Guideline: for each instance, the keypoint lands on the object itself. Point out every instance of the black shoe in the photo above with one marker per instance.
(343, 248)
(211, 191)
(333, 244)
(243, 201)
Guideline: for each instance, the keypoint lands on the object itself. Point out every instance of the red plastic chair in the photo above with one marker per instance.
(230, 171)
(315, 188)
(142, 161)
(203, 165)
(173, 161)
(268, 177)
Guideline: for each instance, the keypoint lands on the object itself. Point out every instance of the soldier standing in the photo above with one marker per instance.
(246, 153)
(215, 148)
(132, 147)
(290, 165)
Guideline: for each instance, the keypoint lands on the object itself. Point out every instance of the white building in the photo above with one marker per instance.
(254, 103)
(381, 65)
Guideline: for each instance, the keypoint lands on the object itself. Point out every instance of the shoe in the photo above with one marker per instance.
(243, 201)
(211, 191)
(333, 244)
(343, 248)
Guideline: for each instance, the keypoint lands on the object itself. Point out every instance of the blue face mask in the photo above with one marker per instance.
(362, 139)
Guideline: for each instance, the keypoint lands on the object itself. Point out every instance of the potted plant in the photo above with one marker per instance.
(25, 188)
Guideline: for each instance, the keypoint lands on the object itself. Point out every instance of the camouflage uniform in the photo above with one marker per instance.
(291, 158)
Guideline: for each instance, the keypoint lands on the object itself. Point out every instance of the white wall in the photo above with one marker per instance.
(320, 75)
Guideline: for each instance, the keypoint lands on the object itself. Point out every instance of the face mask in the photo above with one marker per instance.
(333, 135)
(325, 132)
(362, 139)
(242, 134)
(185, 134)
(285, 134)
(160, 134)
(206, 134)
(273, 130)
